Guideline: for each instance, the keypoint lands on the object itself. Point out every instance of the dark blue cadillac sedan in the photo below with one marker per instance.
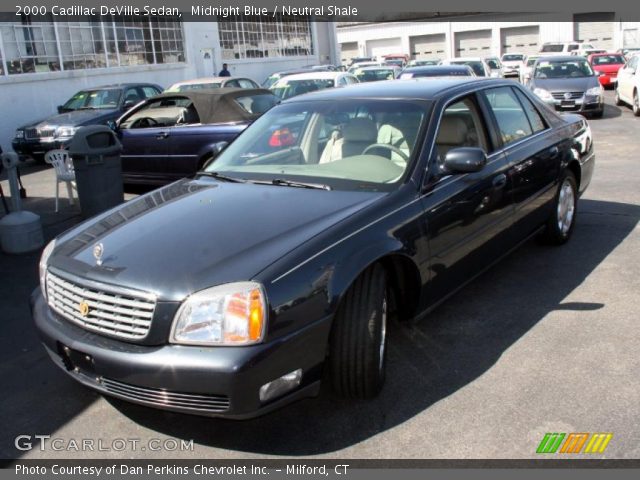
(238, 290)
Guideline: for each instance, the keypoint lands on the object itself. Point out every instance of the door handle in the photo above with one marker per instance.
(162, 135)
(500, 181)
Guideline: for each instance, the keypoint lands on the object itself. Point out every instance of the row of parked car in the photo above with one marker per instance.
(171, 134)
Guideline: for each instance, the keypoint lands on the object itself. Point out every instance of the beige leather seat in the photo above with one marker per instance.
(357, 135)
(453, 133)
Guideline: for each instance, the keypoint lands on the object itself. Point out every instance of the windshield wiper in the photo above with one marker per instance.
(291, 183)
(222, 176)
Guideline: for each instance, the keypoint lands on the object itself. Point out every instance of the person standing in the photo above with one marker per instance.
(224, 72)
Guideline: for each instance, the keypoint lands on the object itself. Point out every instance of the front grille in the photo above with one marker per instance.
(104, 310)
(573, 95)
(33, 133)
(164, 398)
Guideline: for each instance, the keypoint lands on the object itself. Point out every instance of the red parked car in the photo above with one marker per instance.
(606, 66)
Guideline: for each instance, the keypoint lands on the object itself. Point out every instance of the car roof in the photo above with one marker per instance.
(315, 75)
(119, 85)
(208, 80)
(377, 67)
(217, 105)
(435, 68)
(555, 58)
(410, 89)
(464, 59)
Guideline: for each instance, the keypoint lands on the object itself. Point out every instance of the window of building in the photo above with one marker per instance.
(37, 44)
(241, 38)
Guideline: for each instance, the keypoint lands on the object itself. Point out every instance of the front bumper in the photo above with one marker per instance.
(208, 381)
(40, 146)
(510, 71)
(585, 104)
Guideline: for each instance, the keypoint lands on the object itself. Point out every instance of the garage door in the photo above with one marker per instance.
(348, 50)
(630, 38)
(382, 47)
(520, 40)
(428, 46)
(476, 43)
(594, 28)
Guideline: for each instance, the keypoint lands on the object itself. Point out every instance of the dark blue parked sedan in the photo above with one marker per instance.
(173, 135)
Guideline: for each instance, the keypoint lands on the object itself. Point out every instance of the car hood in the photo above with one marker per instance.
(194, 234)
(75, 118)
(565, 84)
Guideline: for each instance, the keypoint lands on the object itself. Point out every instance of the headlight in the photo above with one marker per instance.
(19, 134)
(231, 314)
(595, 91)
(66, 131)
(42, 266)
(543, 94)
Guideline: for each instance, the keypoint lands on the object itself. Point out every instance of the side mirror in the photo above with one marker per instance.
(60, 109)
(112, 125)
(465, 160)
(128, 104)
(216, 149)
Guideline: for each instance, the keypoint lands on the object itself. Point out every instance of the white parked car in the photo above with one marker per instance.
(526, 68)
(564, 48)
(358, 65)
(294, 85)
(478, 64)
(629, 85)
(512, 63)
(496, 68)
(212, 82)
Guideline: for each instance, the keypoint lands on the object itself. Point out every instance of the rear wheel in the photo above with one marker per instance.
(562, 220)
(357, 351)
(619, 102)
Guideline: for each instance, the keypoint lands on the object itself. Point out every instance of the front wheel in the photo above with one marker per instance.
(561, 222)
(617, 99)
(357, 350)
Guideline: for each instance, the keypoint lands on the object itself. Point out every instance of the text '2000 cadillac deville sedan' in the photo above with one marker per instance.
(238, 290)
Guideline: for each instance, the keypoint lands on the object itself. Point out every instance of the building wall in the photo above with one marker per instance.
(553, 27)
(27, 97)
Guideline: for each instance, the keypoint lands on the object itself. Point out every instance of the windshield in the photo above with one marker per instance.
(194, 86)
(531, 61)
(512, 58)
(477, 67)
(563, 69)
(291, 88)
(494, 63)
(89, 99)
(270, 81)
(351, 144)
(375, 75)
(436, 72)
(555, 47)
(608, 60)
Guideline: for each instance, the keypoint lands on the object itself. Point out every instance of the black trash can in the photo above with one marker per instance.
(95, 151)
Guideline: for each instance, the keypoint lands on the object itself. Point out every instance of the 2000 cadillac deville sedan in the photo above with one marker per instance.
(229, 294)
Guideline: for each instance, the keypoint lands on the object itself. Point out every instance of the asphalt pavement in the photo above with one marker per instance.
(546, 341)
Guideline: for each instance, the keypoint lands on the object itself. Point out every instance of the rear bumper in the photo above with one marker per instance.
(208, 381)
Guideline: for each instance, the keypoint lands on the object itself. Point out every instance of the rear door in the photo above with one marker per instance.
(533, 152)
(467, 213)
(626, 77)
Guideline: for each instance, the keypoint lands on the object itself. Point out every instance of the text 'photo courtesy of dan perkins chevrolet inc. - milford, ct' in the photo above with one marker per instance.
(198, 10)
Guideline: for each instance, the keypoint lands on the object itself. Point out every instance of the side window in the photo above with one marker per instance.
(149, 92)
(633, 63)
(511, 118)
(163, 112)
(342, 82)
(461, 126)
(535, 119)
(131, 96)
(351, 79)
(572, 47)
(244, 83)
(232, 84)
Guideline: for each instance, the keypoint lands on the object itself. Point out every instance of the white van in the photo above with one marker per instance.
(564, 48)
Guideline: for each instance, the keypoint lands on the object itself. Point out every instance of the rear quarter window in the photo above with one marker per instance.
(257, 104)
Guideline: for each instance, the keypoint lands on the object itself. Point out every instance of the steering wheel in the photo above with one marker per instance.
(393, 148)
(145, 122)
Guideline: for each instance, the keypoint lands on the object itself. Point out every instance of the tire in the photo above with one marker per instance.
(617, 100)
(357, 350)
(563, 218)
(636, 104)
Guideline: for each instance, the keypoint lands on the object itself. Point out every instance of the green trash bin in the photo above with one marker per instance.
(95, 151)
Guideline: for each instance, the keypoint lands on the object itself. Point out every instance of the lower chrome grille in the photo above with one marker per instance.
(102, 310)
(165, 398)
(39, 132)
(572, 95)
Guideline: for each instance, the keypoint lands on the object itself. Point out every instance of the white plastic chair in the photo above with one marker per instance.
(63, 166)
